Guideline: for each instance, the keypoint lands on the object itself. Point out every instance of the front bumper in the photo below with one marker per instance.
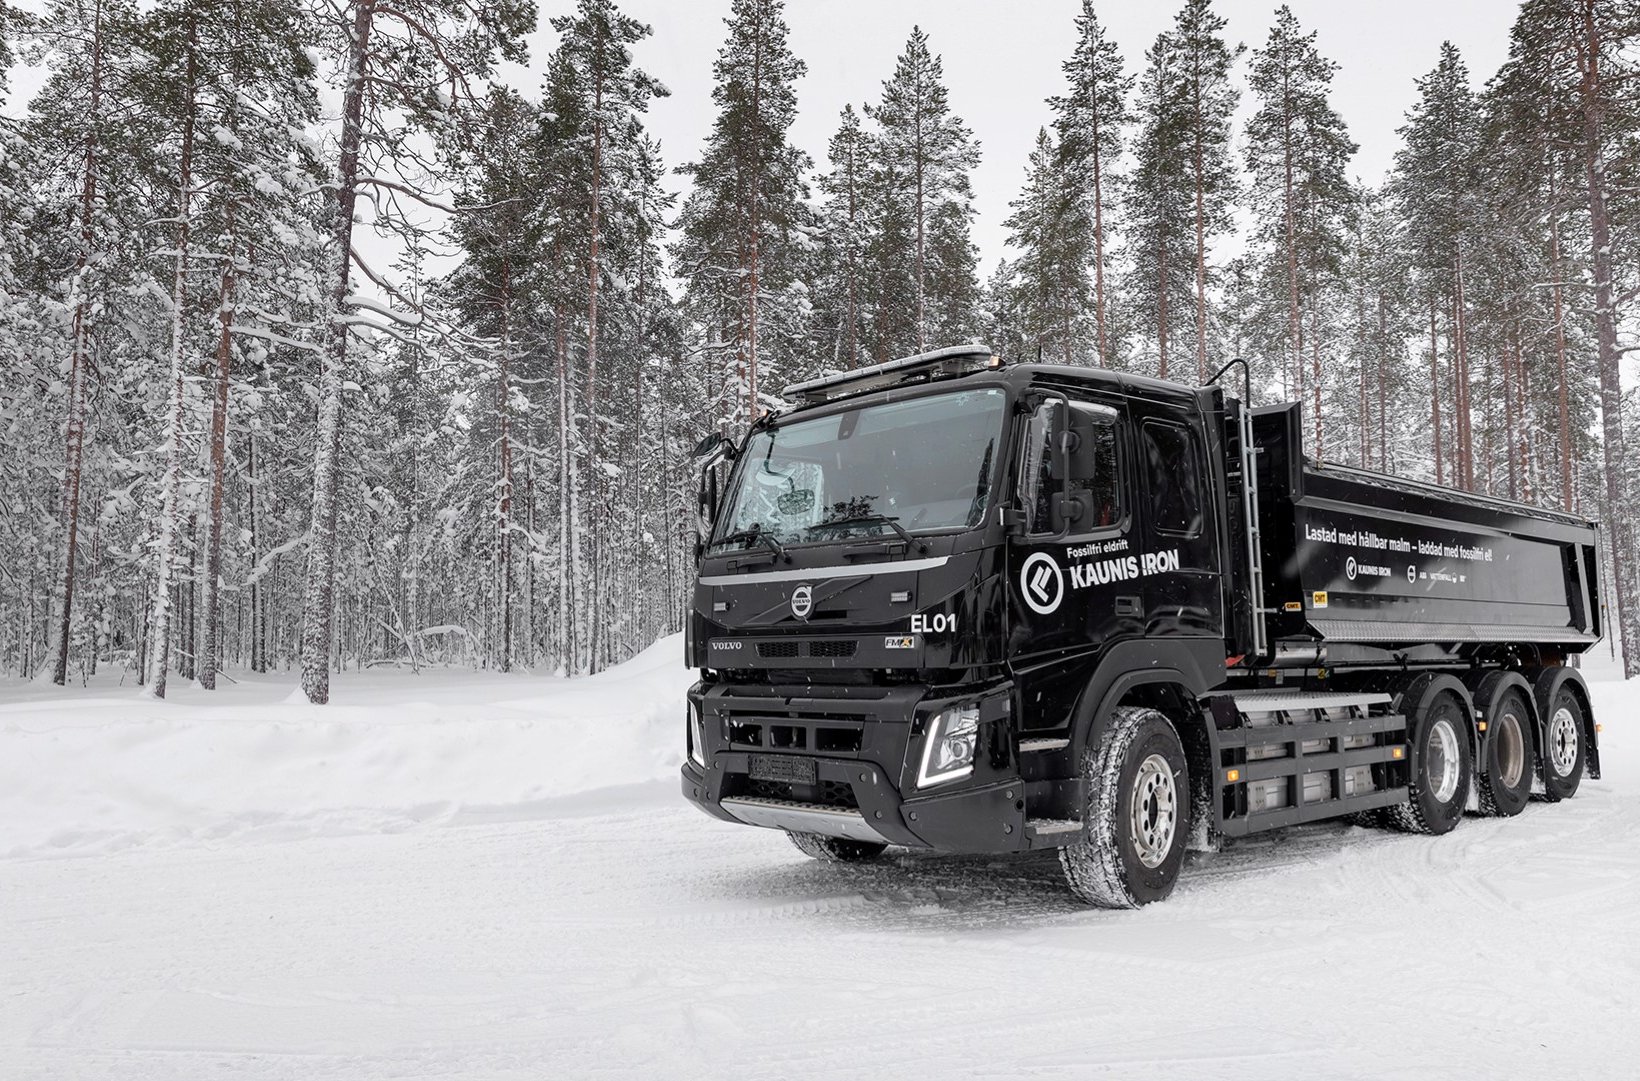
(865, 744)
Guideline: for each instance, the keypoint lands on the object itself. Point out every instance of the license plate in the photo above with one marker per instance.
(780, 767)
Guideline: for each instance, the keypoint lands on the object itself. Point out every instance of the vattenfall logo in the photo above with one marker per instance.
(802, 602)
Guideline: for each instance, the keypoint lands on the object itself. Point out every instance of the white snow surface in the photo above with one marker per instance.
(458, 875)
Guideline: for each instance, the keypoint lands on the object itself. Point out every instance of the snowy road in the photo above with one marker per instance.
(623, 934)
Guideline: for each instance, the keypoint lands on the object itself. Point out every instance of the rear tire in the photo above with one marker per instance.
(1566, 746)
(835, 849)
(1137, 817)
(1507, 783)
(1442, 767)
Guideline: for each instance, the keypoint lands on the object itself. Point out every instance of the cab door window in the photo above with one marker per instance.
(1173, 475)
(1092, 485)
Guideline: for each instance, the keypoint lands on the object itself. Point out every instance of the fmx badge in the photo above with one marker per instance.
(1042, 583)
(802, 601)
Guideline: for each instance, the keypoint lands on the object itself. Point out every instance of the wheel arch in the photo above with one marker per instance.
(1486, 688)
(1415, 696)
(1170, 678)
(1545, 685)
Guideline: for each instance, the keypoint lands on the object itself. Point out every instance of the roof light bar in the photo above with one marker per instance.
(951, 360)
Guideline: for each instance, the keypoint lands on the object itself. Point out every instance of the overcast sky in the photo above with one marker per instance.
(1002, 60)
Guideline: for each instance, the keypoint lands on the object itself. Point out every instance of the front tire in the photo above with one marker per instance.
(835, 849)
(1137, 816)
(1442, 767)
(1566, 748)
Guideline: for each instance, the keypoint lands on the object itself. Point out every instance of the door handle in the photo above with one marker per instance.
(1127, 605)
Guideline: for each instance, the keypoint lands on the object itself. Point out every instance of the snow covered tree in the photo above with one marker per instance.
(841, 258)
(403, 68)
(1202, 63)
(1161, 204)
(924, 154)
(742, 253)
(1092, 120)
(1051, 230)
(1302, 201)
(1435, 186)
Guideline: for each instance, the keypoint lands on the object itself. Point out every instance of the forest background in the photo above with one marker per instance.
(347, 332)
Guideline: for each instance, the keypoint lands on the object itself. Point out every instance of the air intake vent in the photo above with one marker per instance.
(832, 649)
(777, 649)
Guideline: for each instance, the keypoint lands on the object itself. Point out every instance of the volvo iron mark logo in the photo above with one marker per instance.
(1042, 583)
(802, 602)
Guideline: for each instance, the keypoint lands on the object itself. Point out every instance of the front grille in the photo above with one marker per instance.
(786, 648)
(826, 793)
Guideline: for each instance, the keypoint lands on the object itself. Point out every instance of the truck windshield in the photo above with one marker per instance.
(920, 465)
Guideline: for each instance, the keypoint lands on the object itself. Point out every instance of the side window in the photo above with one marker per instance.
(1173, 479)
(1035, 470)
(1093, 467)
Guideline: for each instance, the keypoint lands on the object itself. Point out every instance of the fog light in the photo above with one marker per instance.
(953, 736)
(695, 736)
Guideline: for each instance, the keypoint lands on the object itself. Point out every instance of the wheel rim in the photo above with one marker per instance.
(1444, 762)
(1563, 741)
(1511, 763)
(1154, 811)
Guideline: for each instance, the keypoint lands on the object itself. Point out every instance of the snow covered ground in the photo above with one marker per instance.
(482, 876)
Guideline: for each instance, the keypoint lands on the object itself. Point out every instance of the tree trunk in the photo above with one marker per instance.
(1435, 388)
(209, 658)
(1161, 307)
(318, 604)
(1099, 235)
(79, 356)
(1460, 376)
(1592, 90)
(754, 213)
(1563, 391)
(503, 526)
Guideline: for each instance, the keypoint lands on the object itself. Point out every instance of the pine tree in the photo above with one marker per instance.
(1161, 216)
(82, 117)
(403, 63)
(742, 248)
(608, 93)
(839, 301)
(1092, 120)
(1051, 230)
(1202, 63)
(1435, 192)
(498, 231)
(924, 155)
(1297, 153)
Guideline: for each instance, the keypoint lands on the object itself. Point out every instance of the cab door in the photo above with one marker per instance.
(1069, 594)
(1179, 559)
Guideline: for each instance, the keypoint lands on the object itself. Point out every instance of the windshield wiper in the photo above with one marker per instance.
(755, 534)
(891, 521)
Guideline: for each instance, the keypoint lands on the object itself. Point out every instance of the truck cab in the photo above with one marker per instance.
(967, 606)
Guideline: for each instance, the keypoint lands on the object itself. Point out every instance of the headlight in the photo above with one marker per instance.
(696, 737)
(953, 736)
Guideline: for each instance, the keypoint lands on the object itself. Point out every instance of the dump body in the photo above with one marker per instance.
(1356, 558)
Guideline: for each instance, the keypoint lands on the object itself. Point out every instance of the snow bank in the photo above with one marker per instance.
(105, 767)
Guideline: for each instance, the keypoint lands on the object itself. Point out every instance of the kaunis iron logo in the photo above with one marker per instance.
(802, 601)
(1042, 583)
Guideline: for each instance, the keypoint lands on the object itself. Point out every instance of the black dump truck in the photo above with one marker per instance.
(966, 606)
